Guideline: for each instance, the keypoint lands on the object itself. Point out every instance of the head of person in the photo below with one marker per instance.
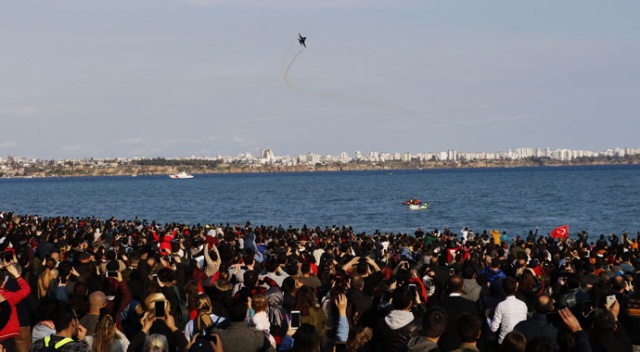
(603, 322)
(401, 299)
(105, 333)
(306, 339)
(224, 281)
(148, 307)
(540, 344)
(543, 304)
(65, 320)
(434, 322)
(305, 268)
(259, 303)
(166, 276)
(289, 285)
(203, 304)
(238, 310)
(250, 278)
(156, 343)
(362, 268)
(513, 342)
(455, 284)
(305, 299)
(97, 300)
(469, 327)
(509, 286)
(357, 282)
(272, 265)
(468, 272)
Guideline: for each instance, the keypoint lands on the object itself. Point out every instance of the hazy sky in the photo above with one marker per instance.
(177, 78)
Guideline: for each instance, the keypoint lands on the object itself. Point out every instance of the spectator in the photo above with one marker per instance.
(509, 312)
(455, 305)
(394, 330)
(69, 335)
(434, 324)
(97, 301)
(151, 324)
(537, 325)
(469, 328)
(607, 333)
(307, 305)
(156, 343)
(513, 342)
(239, 337)
(11, 329)
(471, 290)
(205, 319)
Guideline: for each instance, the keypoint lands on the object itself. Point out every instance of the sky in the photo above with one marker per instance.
(182, 78)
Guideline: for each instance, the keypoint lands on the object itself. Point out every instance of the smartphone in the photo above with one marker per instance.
(412, 291)
(611, 299)
(154, 277)
(112, 274)
(340, 346)
(295, 319)
(8, 257)
(159, 309)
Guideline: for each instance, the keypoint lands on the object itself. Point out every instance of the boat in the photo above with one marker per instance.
(422, 206)
(412, 201)
(181, 175)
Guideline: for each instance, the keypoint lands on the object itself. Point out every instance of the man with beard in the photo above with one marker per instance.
(69, 336)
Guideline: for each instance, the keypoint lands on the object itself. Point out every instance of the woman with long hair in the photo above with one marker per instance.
(220, 293)
(50, 273)
(310, 312)
(106, 338)
(205, 318)
(154, 321)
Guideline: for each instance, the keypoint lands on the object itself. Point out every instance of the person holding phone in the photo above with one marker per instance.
(11, 329)
(157, 319)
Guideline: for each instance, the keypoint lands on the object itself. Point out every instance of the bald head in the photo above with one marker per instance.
(544, 304)
(97, 300)
(455, 284)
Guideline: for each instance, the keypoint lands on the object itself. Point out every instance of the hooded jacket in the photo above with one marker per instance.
(420, 344)
(393, 331)
(12, 328)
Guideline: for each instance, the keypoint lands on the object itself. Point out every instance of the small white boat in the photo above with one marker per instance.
(181, 175)
(418, 206)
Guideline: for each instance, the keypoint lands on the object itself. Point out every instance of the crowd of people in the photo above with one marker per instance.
(92, 284)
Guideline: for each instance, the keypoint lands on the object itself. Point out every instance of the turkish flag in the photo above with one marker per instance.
(560, 232)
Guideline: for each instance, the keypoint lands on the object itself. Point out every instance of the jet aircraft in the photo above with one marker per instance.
(301, 40)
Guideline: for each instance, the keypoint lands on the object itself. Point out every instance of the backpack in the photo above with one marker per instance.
(202, 344)
(182, 314)
(56, 346)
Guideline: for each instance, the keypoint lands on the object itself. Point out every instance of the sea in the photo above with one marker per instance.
(595, 199)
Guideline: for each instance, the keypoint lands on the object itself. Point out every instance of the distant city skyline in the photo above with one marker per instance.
(176, 78)
(265, 156)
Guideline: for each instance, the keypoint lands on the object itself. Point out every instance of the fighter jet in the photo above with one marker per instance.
(301, 40)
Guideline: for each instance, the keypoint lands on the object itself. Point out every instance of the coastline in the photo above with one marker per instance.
(209, 167)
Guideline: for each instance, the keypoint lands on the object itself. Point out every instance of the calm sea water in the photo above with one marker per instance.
(600, 199)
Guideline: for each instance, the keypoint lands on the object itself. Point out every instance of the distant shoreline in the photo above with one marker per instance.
(209, 167)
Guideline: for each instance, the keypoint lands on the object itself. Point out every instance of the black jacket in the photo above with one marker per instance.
(537, 326)
(394, 337)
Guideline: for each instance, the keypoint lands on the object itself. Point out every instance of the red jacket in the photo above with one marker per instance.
(12, 329)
